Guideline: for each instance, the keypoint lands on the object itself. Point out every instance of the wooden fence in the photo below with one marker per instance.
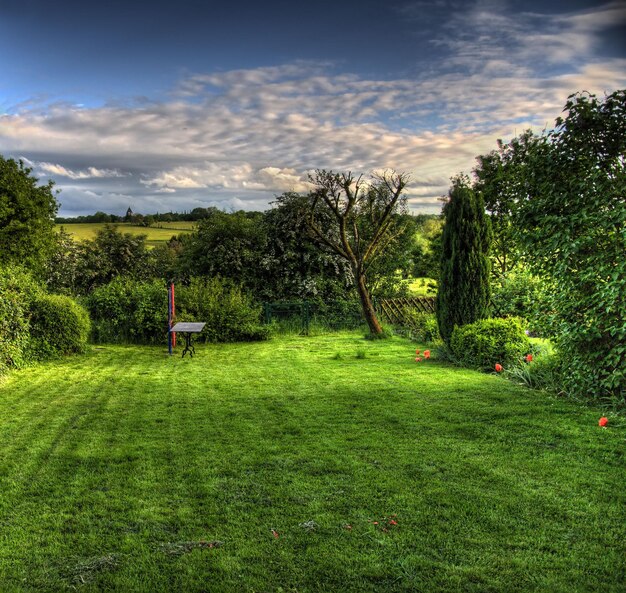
(395, 310)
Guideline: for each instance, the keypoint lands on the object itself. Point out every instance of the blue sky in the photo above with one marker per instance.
(170, 106)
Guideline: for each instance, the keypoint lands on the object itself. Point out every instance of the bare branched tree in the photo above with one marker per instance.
(362, 222)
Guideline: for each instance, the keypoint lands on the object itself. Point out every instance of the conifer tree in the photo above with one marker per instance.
(464, 292)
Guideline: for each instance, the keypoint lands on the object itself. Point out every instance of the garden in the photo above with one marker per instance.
(315, 441)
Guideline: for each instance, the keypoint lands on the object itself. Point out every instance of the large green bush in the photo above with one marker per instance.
(488, 342)
(35, 325)
(230, 315)
(128, 311)
(58, 326)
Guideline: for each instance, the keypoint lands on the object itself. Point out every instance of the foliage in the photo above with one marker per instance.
(358, 221)
(26, 216)
(488, 342)
(520, 294)
(129, 311)
(80, 267)
(132, 311)
(35, 325)
(58, 326)
(226, 245)
(574, 227)
(293, 267)
(544, 373)
(230, 315)
(464, 294)
(423, 326)
(505, 180)
(426, 248)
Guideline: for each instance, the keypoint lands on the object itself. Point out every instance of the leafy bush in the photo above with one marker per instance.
(58, 326)
(424, 327)
(230, 315)
(520, 294)
(484, 343)
(128, 311)
(35, 325)
(13, 331)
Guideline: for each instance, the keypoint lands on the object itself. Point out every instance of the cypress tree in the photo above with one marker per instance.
(464, 293)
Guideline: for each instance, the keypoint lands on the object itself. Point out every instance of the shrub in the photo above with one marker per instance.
(520, 294)
(58, 326)
(424, 327)
(128, 311)
(35, 325)
(544, 373)
(230, 315)
(13, 331)
(484, 343)
(464, 293)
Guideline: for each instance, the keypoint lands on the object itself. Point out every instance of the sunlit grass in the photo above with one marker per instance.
(157, 234)
(264, 467)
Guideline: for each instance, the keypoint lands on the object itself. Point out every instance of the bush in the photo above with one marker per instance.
(127, 311)
(58, 326)
(423, 326)
(545, 373)
(484, 343)
(230, 315)
(35, 325)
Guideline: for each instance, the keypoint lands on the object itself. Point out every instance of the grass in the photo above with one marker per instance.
(263, 467)
(158, 234)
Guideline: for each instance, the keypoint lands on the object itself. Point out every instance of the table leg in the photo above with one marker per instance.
(188, 346)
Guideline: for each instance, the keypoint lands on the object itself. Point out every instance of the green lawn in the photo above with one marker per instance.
(127, 470)
(157, 234)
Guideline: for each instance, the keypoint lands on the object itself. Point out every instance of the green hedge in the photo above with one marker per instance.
(58, 326)
(488, 342)
(129, 311)
(35, 325)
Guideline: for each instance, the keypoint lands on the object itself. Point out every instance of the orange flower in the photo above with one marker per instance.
(418, 359)
(528, 358)
(603, 421)
(499, 368)
(426, 353)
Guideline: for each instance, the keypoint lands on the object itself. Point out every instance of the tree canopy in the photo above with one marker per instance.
(27, 212)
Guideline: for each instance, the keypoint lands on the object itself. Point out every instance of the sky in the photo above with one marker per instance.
(169, 106)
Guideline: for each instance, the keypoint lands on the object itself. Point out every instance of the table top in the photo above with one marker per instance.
(188, 327)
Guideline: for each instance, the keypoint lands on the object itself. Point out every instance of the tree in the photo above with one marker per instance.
(464, 294)
(573, 229)
(504, 180)
(226, 245)
(27, 212)
(293, 265)
(357, 221)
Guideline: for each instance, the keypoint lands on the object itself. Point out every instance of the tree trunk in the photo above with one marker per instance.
(368, 307)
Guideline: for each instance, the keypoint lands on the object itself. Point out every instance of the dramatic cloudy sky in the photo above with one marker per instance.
(173, 105)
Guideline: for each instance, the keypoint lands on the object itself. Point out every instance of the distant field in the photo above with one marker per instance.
(156, 235)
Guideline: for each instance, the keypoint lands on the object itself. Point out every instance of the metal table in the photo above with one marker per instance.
(188, 329)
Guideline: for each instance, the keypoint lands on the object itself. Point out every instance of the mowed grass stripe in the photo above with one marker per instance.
(112, 457)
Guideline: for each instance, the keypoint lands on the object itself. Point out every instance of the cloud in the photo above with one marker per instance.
(238, 138)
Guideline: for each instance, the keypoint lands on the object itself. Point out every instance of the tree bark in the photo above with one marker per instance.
(368, 306)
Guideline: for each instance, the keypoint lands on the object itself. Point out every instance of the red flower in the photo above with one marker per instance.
(499, 368)
(603, 421)
(417, 352)
(392, 522)
(426, 353)
(528, 358)
(418, 359)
